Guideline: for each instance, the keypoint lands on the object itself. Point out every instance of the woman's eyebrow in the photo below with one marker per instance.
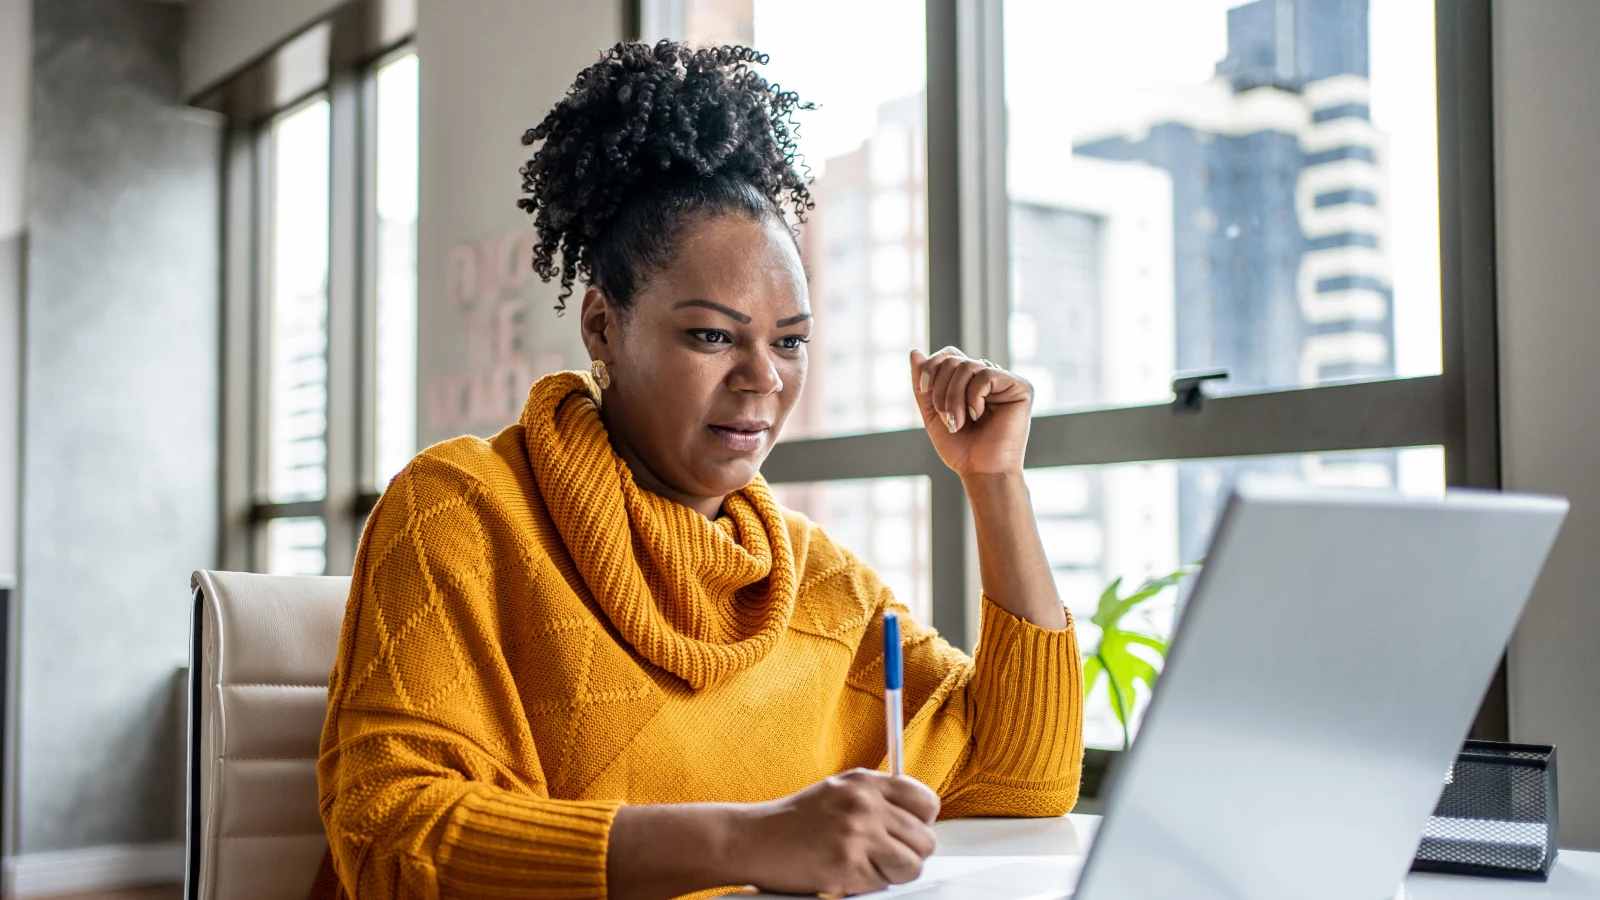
(734, 314)
(793, 320)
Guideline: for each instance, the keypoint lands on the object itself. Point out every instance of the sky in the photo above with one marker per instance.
(1086, 62)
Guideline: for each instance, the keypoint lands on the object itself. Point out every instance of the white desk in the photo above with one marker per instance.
(1576, 873)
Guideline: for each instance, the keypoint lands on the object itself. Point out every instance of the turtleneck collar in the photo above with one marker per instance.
(702, 599)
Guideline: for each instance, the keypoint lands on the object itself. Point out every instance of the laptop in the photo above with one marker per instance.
(1329, 663)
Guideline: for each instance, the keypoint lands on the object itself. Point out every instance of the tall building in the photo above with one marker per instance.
(1280, 270)
(1280, 261)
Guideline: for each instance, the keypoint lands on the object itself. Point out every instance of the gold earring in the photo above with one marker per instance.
(601, 373)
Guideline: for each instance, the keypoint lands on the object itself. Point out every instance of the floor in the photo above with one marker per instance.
(154, 892)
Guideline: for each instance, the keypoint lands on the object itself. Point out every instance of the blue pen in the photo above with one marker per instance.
(892, 675)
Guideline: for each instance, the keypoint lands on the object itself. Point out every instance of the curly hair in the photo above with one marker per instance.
(645, 139)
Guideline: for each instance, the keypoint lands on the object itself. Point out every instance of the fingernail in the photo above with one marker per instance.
(950, 422)
(922, 383)
(972, 413)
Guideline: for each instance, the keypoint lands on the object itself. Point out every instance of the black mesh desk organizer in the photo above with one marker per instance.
(1497, 815)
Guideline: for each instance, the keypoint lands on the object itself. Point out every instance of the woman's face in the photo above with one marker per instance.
(708, 361)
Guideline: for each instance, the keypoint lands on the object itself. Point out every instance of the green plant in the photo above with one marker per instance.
(1113, 656)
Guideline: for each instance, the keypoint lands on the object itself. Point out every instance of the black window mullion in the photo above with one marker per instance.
(1372, 415)
(949, 525)
(261, 348)
(238, 349)
(1467, 243)
(367, 300)
(1467, 281)
(345, 210)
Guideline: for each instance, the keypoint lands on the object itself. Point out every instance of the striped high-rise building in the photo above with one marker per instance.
(1281, 269)
(1280, 259)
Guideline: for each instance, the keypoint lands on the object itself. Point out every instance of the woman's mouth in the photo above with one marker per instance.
(741, 437)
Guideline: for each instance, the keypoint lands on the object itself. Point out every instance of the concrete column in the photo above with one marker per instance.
(119, 423)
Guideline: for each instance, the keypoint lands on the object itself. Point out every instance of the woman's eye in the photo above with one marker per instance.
(711, 335)
(793, 342)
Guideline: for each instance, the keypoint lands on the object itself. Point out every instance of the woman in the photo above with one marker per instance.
(591, 656)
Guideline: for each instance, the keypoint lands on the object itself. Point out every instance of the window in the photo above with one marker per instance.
(1137, 521)
(322, 204)
(1108, 196)
(297, 392)
(297, 334)
(296, 546)
(395, 255)
(1322, 114)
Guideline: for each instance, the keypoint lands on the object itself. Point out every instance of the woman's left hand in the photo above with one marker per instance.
(976, 413)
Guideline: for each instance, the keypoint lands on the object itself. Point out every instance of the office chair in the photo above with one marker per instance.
(262, 648)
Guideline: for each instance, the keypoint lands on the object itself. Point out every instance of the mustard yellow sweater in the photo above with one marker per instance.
(533, 641)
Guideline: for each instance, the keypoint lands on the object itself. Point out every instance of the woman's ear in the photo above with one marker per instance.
(594, 318)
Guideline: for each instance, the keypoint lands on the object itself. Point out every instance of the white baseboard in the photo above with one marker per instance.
(93, 869)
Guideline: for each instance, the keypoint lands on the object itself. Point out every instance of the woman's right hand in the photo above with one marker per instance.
(853, 833)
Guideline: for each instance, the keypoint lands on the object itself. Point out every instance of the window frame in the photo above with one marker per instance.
(336, 60)
(967, 259)
(261, 146)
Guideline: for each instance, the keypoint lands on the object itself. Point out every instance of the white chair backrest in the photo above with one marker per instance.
(263, 646)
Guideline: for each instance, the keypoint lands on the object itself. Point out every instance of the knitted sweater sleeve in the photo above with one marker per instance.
(429, 780)
(1000, 734)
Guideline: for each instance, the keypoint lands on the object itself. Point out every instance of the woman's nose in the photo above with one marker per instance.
(756, 372)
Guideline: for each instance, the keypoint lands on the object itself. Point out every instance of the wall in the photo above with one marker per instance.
(491, 69)
(16, 63)
(119, 499)
(224, 36)
(15, 32)
(1547, 150)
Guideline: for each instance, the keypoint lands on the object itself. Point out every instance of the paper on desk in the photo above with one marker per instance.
(983, 877)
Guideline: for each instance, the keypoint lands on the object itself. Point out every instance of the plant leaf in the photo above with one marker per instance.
(1105, 610)
(1111, 609)
(1114, 658)
(1148, 640)
(1125, 666)
(1092, 670)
